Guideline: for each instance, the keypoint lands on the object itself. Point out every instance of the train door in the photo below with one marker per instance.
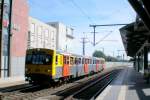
(77, 66)
(66, 67)
(97, 65)
(103, 64)
(72, 66)
(86, 66)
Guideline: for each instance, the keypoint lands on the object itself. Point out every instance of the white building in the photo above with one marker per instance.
(64, 36)
(41, 35)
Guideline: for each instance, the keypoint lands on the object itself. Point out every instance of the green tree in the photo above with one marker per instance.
(99, 54)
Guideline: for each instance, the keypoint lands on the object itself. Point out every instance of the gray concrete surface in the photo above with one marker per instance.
(129, 85)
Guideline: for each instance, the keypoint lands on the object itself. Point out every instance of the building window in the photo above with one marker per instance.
(32, 28)
(46, 33)
(39, 36)
(39, 31)
(52, 35)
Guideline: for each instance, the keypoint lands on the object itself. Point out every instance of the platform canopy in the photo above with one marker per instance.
(135, 34)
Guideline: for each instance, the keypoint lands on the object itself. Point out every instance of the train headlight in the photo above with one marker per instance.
(48, 70)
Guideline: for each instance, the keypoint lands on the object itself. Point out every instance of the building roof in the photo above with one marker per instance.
(136, 34)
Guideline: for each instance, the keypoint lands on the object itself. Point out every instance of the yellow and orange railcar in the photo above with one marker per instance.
(46, 65)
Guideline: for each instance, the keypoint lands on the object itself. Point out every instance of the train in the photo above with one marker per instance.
(47, 65)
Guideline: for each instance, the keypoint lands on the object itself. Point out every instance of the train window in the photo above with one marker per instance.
(71, 60)
(68, 60)
(48, 59)
(87, 61)
(29, 59)
(57, 59)
(94, 61)
(76, 61)
(79, 60)
(34, 59)
(39, 59)
(83, 60)
(65, 60)
(61, 59)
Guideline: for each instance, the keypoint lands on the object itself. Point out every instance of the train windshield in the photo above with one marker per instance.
(43, 59)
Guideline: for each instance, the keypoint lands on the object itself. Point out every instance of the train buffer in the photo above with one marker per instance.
(128, 85)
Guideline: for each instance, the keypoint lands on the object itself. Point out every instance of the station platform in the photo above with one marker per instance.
(128, 85)
(11, 81)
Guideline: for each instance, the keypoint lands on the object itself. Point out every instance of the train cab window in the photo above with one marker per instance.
(48, 59)
(39, 59)
(29, 59)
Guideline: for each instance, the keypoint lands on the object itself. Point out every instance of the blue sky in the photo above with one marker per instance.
(80, 13)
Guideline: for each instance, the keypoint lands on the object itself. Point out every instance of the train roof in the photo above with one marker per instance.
(65, 53)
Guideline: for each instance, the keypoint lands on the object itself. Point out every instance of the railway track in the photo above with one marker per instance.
(89, 89)
(65, 91)
(92, 90)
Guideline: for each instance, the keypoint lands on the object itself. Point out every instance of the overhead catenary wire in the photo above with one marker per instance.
(82, 11)
(103, 38)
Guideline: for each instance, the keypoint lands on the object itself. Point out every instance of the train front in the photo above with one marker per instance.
(39, 66)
